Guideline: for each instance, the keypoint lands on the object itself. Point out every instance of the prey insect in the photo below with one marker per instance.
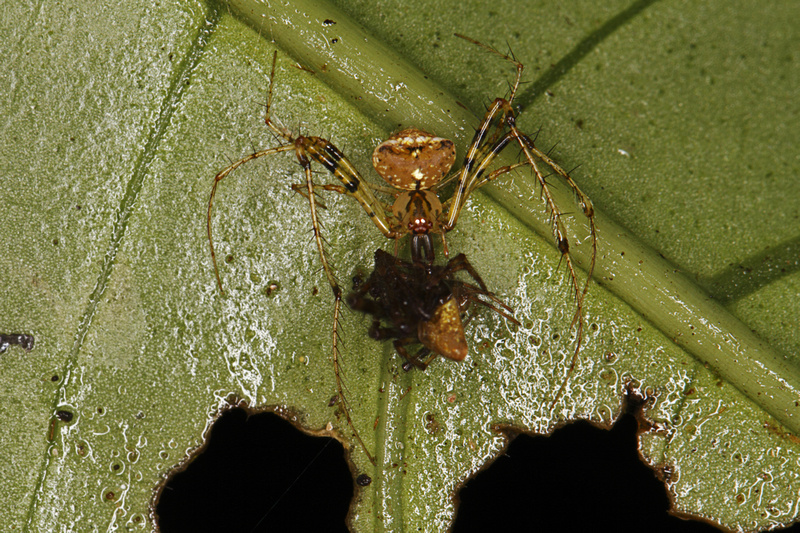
(417, 167)
(412, 304)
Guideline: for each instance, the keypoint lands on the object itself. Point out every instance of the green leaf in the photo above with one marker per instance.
(684, 121)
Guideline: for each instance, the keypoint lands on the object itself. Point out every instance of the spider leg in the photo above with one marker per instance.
(219, 177)
(471, 177)
(504, 109)
(321, 151)
(300, 188)
(508, 57)
(309, 194)
(471, 181)
(305, 162)
(330, 187)
(583, 200)
(469, 174)
(326, 154)
(559, 231)
(337, 371)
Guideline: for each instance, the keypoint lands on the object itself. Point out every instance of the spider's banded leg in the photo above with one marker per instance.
(578, 320)
(268, 120)
(337, 294)
(508, 57)
(498, 111)
(300, 188)
(472, 177)
(309, 194)
(341, 189)
(585, 202)
(219, 177)
(472, 180)
(477, 179)
(327, 155)
(531, 153)
(499, 172)
(473, 155)
(340, 386)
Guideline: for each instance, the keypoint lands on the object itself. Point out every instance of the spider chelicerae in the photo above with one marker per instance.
(417, 167)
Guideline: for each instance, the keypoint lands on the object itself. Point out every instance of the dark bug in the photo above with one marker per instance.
(20, 339)
(413, 303)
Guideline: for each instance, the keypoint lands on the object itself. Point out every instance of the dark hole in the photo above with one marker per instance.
(250, 465)
(580, 479)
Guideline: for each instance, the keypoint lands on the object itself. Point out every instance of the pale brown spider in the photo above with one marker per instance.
(416, 165)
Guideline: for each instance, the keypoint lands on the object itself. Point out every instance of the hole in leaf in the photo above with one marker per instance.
(582, 478)
(259, 473)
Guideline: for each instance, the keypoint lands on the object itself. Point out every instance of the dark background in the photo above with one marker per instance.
(259, 473)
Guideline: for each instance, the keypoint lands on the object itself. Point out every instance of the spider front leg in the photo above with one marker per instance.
(219, 177)
(308, 149)
(332, 159)
(321, 151)
(481, 155)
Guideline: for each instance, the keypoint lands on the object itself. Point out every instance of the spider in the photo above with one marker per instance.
(423, 305)
(417, 165)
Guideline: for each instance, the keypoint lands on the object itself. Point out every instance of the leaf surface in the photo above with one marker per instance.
(681, 115)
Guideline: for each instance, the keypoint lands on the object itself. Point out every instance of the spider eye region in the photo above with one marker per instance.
(420, 226)
(414, 159)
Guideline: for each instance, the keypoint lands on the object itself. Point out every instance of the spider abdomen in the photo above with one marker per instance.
(414, 159)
